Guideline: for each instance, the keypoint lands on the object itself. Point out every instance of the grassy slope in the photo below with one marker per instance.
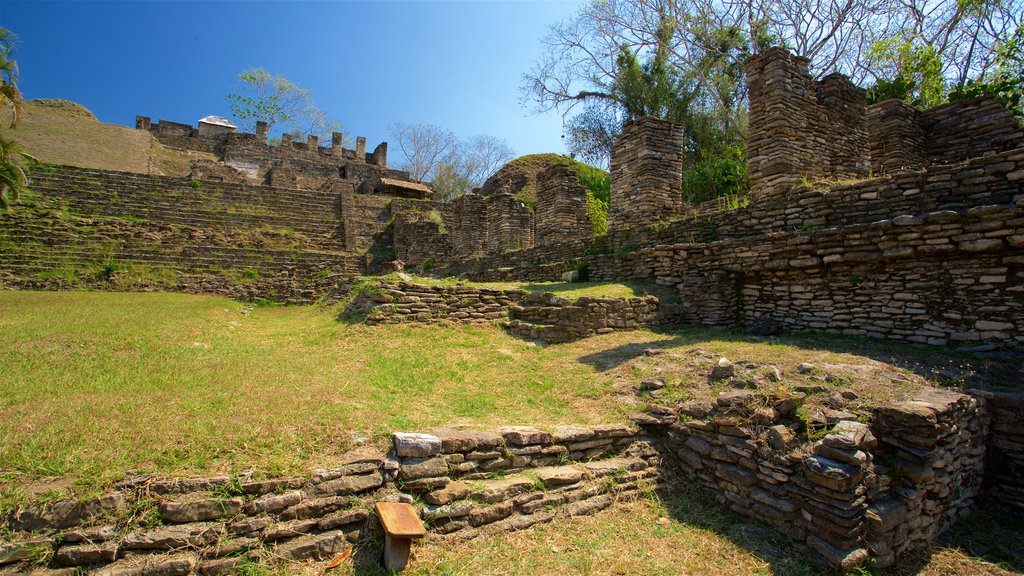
(64, 135)
(568, 290)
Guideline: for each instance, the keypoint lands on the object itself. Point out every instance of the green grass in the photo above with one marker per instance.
(94, 384)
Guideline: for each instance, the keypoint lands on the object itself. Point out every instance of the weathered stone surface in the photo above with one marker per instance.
(454, 510)
(289, 529)
(81, 554)
(273, 502)
(481, 516)
(17, 551)
(92, 534)
(832, 474)
(723, 369)
(342, 518)
(780, 437)
(219, 566)
(175, 565)
(64, 514)
(314, 508)
(348, 485)
(564, 434)
(412, 445)
(179, 512)
(559, 476)
(523, 435)
(414, 468)
(491, 491)
(451, 492)
(173, 537)
(316, 547)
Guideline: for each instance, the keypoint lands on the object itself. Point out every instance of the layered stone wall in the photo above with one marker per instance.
(903, 137)
(510, 224)
(470, 482)
(538, 315)
(562, 214)
(646, 173)
(1004, 472)
(799, 127)
(123, 231)
(857, 491)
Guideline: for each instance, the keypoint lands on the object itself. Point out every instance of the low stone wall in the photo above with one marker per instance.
(393, 303)
(471, 481)
(1004, 476)
(858, 491)
(545, 316)
(516, 477)
(539, 316)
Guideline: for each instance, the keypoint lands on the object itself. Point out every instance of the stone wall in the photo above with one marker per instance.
(849, 490)
(799, 127)
(646, 173)
(124, 231)
(545, 316)
(538, 315)
(562, 214)
(510, 224)
(1004, 473)
(469, 481)
(903, 137)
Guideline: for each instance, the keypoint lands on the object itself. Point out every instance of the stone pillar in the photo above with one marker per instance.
(561, 207)
(509, 224)
(143, 122)
(286, 139)
(896, 137)
(647, 173)
(380, 155)
(801, 128)
(312, 142)
(360, 149)
(262, 131)
(337, 141)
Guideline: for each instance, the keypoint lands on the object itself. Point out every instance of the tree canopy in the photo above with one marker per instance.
(281, 103)
(15, 163)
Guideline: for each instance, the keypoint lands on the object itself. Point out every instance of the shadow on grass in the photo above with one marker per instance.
(943, 365)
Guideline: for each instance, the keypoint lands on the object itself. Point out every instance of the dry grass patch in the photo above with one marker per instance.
(60, 132)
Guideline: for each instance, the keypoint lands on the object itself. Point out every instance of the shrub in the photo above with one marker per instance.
(716, 177)
(194, 183)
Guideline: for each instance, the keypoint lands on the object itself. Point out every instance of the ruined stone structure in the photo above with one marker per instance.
(800, 128)
(208, 525)
(561, 207)
(647, 173)
(861, 491)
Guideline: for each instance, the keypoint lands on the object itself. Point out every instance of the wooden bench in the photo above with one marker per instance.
(401, 526)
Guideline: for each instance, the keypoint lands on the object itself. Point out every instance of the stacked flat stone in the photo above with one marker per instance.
(510, 224)
(1004, 474)
(834, 493)
(202, 530)
(469, 226)
(801, 128)
(562, 214)
(646, 173)
(516, 477)
(545, 316)
(404, 302)
(937, 447)
(896, 137)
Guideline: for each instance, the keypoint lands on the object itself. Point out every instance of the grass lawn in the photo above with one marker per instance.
(95, 384)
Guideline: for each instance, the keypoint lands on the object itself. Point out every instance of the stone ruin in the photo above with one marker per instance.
(882, 221)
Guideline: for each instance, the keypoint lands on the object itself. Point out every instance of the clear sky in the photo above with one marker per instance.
(368, 64)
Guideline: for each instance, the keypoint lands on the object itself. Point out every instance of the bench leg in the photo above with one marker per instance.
(396, 552)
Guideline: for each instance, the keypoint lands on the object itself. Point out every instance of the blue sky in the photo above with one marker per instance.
(369, 64)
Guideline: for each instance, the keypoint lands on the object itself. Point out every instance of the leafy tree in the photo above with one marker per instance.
(15, 163)
(1005, 80)
(265, 97)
